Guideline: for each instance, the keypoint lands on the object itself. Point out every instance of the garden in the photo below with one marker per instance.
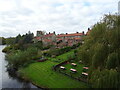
(43, 75)
(76, 70)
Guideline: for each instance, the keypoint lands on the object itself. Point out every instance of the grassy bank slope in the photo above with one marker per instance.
(41, 74)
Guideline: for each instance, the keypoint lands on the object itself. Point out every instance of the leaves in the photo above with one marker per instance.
(101, 51)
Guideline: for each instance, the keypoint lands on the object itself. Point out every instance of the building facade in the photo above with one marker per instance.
(60, 40)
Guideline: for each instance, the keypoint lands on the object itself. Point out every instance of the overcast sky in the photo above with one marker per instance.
(61, 16)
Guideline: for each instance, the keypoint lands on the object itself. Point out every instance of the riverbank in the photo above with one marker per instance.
(42, 75)
(10, 80)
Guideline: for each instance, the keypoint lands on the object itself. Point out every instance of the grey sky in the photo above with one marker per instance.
(62, 16)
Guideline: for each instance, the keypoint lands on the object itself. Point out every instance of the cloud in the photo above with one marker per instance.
(20, 16)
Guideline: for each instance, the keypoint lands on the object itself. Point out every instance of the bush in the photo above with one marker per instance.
(20, 58)
(105, 79)
(57, 52)
(7, 49)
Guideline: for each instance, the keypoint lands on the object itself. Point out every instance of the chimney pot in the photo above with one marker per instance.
(83, 32)
(54, 32)
(88, 29)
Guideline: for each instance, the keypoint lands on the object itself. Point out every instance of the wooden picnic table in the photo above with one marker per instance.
(86, 67)
(86, 74)
(73, 64)
(74, 70)
(62, 67)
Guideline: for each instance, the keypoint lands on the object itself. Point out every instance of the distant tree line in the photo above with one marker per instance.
(19, 42)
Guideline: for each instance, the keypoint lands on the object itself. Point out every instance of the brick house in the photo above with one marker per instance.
(59, 40)
(69, 39)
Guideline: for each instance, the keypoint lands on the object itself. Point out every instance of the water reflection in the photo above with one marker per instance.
(9, 79)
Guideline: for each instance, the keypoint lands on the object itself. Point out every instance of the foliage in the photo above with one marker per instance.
(101, 51)
(19, 42)
(63, 57)
(10, 48)
(38, 45)
(57, 52)
(19, 58)
(10, 41)
(105, 79)
(7, 49)
(112, 61)
(24, 39)
(2, 41)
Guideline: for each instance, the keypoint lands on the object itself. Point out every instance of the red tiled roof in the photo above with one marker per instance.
(38, 38)
(66, 35)
(47, 40)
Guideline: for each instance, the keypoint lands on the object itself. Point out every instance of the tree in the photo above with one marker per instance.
(101, 51)
(10, 41)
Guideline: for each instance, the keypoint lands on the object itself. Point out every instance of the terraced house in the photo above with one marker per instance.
(60, 40)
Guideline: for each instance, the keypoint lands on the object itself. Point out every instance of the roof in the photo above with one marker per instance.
(59, 39)
(67, 35)
(38, 38)
(47, 40)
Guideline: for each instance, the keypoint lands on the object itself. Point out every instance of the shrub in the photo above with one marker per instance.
(21, 58)
(57, 52)
(7, 49)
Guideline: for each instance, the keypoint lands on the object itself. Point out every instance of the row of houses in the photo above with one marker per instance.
(60, 40)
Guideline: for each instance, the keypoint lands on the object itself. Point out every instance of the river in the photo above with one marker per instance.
(6, 79)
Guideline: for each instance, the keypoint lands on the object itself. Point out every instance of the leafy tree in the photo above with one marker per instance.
(10, 41)
(112, 61)
(101, 51)
(18, 38)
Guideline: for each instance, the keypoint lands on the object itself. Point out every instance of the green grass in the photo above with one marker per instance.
(62, 57)
(79, 69)
(41, 74)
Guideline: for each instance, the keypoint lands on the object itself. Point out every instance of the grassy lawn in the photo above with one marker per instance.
(62, 57)
(41, 74)
(68, 66)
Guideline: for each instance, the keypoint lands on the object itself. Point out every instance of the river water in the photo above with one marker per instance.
(6, 79)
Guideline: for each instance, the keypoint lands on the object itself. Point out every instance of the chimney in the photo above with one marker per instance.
(83, 32)
(54, 32)
(88, 29)
(49, 32)
(66, 33)
(77, 32)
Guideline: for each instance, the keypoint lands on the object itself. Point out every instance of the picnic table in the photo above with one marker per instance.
(73, 64)
(86, 74)
(62, 67)
(85, 67)
(74, 70)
